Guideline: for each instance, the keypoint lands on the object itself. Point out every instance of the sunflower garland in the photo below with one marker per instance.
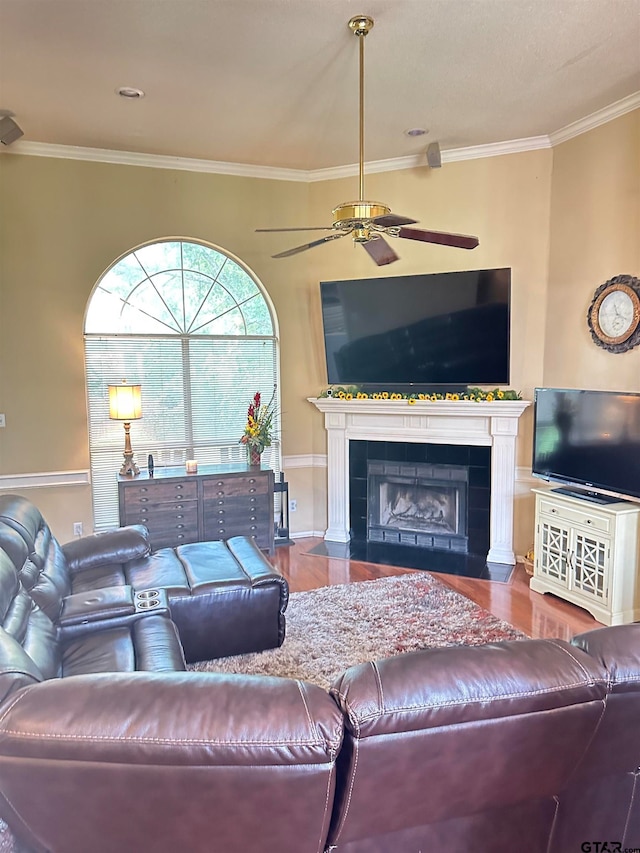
(472, 395)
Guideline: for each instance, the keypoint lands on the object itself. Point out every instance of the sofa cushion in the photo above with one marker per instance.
(113, 547)
(495, 725)
(98, 578)
(150, 643)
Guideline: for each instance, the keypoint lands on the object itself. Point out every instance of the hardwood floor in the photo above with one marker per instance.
(537, 615)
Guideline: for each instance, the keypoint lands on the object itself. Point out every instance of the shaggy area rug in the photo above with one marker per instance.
(332, 628)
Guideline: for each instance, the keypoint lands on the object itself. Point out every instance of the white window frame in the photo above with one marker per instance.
(185, 332)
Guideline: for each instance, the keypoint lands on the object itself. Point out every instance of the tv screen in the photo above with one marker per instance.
(591, 438)
(447, 329)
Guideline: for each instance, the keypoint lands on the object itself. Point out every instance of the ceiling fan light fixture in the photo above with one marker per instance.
(354, 212)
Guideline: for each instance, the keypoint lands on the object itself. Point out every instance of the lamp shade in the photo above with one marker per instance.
(125, 402)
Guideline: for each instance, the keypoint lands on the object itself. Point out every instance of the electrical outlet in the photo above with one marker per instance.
(77, 528)
(293, 505)
(3, 421)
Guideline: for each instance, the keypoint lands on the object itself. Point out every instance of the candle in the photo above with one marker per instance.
(191, 466)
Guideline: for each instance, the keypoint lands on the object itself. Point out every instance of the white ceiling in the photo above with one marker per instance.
(275, 82)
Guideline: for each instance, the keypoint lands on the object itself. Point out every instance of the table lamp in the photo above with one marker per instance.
(125, 404)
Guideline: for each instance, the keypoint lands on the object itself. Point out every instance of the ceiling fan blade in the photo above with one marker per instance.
(310, 228)
(306, 246)
(458, 241)
(391, 220)
(380, 251)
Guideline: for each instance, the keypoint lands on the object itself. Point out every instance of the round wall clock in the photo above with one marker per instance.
(614, 314)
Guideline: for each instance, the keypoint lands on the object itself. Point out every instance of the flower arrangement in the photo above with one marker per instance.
(259, 427)
(473, 395)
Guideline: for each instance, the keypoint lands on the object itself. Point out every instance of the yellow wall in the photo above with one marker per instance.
(63, 222)
(595, 235)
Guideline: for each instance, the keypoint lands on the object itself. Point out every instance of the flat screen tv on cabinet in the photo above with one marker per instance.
(588, 439)
(444, 329)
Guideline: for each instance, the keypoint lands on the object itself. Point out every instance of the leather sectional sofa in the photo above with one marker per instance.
(531, 746)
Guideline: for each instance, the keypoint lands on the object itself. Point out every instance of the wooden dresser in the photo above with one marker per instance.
(218, 502)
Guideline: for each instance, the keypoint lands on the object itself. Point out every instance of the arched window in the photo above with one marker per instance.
(195, 329)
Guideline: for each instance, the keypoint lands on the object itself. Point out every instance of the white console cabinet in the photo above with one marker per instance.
(587, 553)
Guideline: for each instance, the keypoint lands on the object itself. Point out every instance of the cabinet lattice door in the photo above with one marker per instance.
(591, 558)
(553, 553)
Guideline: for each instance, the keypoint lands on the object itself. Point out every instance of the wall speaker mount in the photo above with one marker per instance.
(9, 130)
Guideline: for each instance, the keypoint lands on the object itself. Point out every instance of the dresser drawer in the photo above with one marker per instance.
(226, 487)
(159, 493)
(168, 538)
(179, 513)
(574, 515)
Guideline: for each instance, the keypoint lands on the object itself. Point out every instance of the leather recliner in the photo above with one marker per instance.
(225, 597)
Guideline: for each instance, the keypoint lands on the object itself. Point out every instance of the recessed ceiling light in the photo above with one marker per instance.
(416, 131)
(130, 92)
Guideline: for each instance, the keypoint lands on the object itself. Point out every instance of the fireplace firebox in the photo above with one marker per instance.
(419, 505)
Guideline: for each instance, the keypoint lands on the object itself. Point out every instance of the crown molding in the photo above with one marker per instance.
(613, 111)
(218, 167)
(156, 161)
(453, 155)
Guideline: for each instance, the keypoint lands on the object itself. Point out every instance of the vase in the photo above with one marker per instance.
(254, 457)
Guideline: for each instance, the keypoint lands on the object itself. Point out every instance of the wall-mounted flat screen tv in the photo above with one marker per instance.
(448, 329)
(589, 438)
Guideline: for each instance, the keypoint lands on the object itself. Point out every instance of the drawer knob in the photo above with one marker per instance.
(220, 512)
(220, 483)
(251, 491)
(144, 500)
(589, 521)
(179, 506)
(253, 527)
(179, 516)
(180, 486)
(221, 493)
(554, 510)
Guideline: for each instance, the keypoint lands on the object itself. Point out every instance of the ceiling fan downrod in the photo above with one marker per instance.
(360, 25)
(355, 216)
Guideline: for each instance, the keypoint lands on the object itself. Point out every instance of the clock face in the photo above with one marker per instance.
(616, 314)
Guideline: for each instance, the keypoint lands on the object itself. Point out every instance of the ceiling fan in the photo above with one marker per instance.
(368, 221)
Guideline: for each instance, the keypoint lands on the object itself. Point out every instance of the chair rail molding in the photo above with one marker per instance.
(42, 480)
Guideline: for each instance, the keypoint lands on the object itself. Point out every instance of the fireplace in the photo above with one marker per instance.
(418, 505)
(457, 477)
(491, 425)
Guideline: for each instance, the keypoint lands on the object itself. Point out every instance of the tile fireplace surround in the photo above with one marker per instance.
(443, 422)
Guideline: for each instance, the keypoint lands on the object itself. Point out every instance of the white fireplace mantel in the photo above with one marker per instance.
(492, 424)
